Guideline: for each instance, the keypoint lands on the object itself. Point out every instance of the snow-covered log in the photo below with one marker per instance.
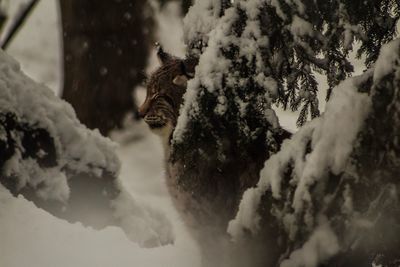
(49, 157)
(331, 195)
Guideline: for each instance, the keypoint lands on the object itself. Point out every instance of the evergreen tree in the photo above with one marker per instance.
(299, 38)
(348, 196)
(255, 53)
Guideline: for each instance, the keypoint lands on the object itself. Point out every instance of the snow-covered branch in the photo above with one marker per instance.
(49, 157)
(253, 53)
(288, 36)
(58, 140)
(332, 187)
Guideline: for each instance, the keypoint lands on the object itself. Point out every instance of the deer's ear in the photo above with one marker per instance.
(163, 57)
(180, 80)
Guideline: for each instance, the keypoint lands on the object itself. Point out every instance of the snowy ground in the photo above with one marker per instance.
(32, 237)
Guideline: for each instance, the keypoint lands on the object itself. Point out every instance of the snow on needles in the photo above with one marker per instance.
(322, 245)
(321, 148)
(335, 131)
(209, 72)
(200, 20)
(216, 72)
(388, 56)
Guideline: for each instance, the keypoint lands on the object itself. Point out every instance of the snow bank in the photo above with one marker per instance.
(32, 237)
(143, 224)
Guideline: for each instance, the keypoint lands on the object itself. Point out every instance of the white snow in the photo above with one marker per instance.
(301, 27)
(76, 147)
(142, 223)
(335, 131)
(214, 67)
(344, 116)
(388, 57)
(322, 245)
(209, 72)
(200, 20)
(269, 83)
(32, 237)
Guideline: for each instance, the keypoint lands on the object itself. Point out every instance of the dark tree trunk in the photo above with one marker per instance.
(106, 44)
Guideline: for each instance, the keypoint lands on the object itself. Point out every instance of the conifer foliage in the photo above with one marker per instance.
(314, 194)
(287, 42)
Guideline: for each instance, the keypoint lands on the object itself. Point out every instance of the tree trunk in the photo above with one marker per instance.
(106, 45)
